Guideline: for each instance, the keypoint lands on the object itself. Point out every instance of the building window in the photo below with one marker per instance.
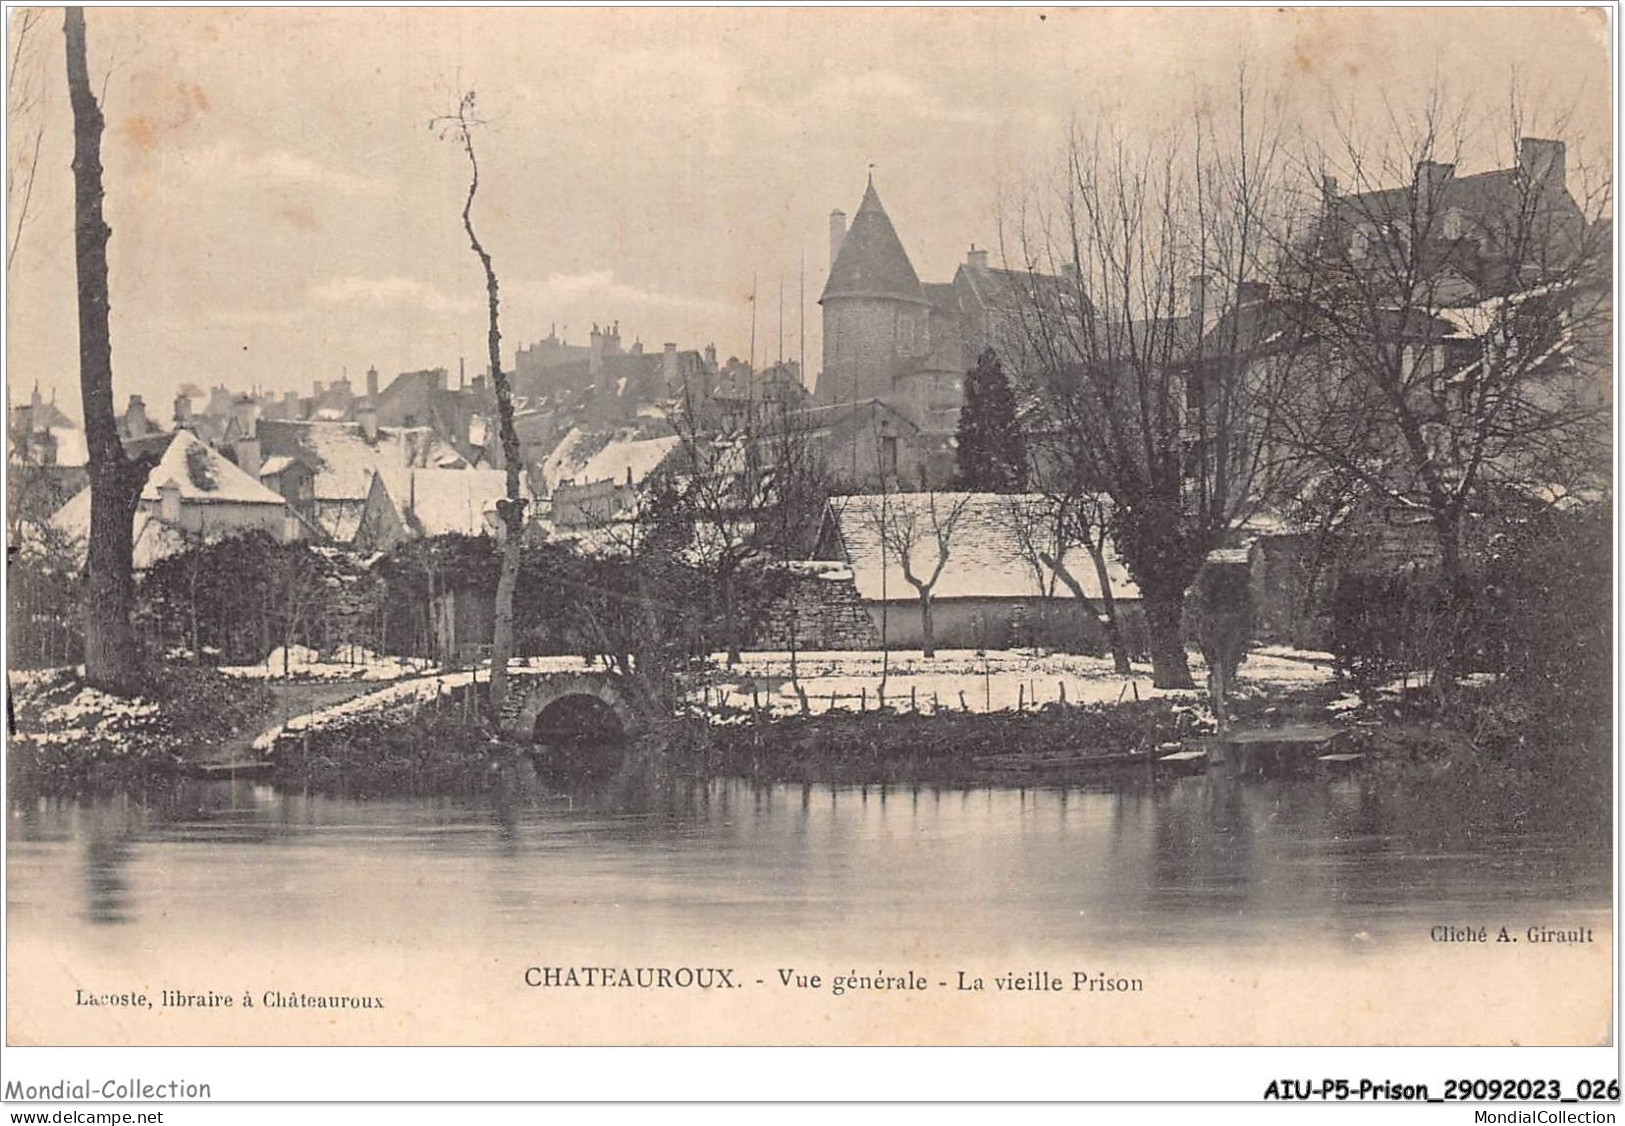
(888, 455)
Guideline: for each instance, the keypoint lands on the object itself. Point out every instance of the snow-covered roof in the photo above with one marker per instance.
(204, 475)
(344, 459)
(985, 554)
(567, 458)
(637, 457)
(583, 458)
(448, 500)
(274, 465)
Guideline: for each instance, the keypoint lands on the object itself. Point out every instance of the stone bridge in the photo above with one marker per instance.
(531, 694)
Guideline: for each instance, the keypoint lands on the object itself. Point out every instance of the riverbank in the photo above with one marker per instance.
(427, 735)
(66, 737)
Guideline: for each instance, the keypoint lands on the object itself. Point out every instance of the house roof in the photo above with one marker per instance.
(985, 559)
(277, 464)
(1480, 194)
(204, 475)
(829, 415)
(344, 459)
(440, 501)
(638, 457)
(872, 261)
(1018, 290)
(583, 458)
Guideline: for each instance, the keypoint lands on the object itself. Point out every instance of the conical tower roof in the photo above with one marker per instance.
(872, 261)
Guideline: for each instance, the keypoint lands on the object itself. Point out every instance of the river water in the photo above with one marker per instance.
(160, 885)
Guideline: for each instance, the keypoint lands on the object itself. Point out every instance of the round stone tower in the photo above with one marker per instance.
(875, 310)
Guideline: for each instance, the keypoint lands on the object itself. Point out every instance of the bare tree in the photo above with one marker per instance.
(1047, 527)
(111, 658)
(25, 103)
(1458, 325)
(511, 510)
(1139, 263)
(905, 522)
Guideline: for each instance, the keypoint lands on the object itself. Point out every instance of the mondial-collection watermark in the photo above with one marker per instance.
(111, 1090)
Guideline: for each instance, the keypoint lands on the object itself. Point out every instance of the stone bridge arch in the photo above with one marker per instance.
(530, 696)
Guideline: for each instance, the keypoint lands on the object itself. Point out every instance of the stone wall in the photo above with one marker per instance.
(821, 608)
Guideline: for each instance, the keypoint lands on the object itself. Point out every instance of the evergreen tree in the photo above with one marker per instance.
(992, 450)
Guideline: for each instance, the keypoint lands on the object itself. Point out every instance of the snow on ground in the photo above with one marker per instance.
(89, 715)
(416, 691)
(999, 680)
(299, 662)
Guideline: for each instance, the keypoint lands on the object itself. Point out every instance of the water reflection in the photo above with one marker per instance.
(1197, 861)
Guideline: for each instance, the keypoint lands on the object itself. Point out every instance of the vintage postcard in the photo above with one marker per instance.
(801, 527)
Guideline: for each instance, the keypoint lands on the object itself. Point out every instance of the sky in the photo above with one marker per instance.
(283, 210)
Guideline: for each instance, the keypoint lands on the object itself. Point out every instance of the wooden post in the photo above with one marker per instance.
(1136, 686)
(913, 703)
(1021, 697)
(962, 704)
(1062, 685)
(863, 702)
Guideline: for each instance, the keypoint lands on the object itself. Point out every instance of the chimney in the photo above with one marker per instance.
(837, 234)
(711, 357)
(478, 385)
(246, 452)
(316, 388)
(290, 397)
(368, 417)
(1328, 191)
(1431, 178)
(668, 364)
(183, 410)
(136, 423)
(442, 379)
(372, 384)
(1203, 306)
(247, 412)
(1543, 163)
(595, 353)
(169, 502)
(976, 259)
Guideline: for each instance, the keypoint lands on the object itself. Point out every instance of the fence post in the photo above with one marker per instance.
(1062, 683)
(1021, 697)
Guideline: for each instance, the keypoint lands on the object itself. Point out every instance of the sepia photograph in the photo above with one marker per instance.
(866, 527)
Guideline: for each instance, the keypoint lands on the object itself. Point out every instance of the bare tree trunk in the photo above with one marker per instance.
(730, 626)
(1165, 622)
(1108, 606)
(1108, 612)
(111, 659)
(928, 632)
(511, 511)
